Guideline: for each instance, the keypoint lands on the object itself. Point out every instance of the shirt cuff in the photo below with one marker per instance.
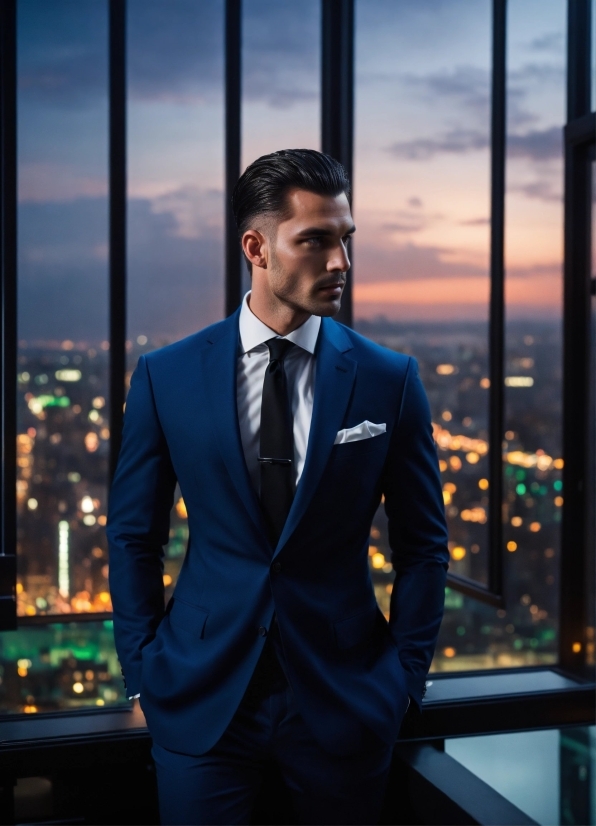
(134, 697)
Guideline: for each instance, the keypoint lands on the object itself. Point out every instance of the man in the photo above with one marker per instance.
(284, 430)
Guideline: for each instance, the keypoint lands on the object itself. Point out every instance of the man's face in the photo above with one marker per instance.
(307, 252)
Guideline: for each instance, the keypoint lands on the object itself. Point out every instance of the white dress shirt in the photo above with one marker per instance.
(299, 364)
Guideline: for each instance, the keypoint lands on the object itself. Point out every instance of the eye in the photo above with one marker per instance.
(315, 241)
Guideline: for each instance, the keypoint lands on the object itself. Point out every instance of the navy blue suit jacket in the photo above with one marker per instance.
(351, 671)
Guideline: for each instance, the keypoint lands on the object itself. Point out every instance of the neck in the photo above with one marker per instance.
(277, 315)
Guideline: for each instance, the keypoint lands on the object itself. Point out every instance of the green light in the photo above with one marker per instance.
(558, 485)
(520, 475)
(520, 489)
(534, 487)
(461, 630)
(543, 490)
(518, 644)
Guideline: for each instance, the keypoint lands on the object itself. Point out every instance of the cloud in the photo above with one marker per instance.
(175, 52)
(551, 42)
(537, 145)
(455, 141)
(175, 283)
(475, 222)
(466, 86)
(540, 190)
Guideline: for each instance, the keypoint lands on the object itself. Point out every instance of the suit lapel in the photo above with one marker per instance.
(335, 375)
(219, 359)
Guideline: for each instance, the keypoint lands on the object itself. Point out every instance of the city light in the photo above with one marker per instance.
(483, 484)
(519, 381)
(458, 553)
(516, 521)
(87, 504)
(68, 375)
(377, 560)
(63, 559)
(512, 546)
(446, 369)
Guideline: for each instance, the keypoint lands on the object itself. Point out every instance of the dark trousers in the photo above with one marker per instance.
(220, 787)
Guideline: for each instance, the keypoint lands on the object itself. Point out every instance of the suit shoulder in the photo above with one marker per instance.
(177, 350)
(364, 348)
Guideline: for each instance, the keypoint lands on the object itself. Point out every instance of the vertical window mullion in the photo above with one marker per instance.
(337, 101)
(497, 297)
(117, 223)
(233, 80)
(576, 341)
(8, 254)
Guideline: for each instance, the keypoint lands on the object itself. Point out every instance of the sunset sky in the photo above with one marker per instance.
(421, 155)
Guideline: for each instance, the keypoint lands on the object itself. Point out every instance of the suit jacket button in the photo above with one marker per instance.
(276, 567)
(263, 631)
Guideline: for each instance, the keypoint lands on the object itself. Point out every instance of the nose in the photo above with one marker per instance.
(339, 260)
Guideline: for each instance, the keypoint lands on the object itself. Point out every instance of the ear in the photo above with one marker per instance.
(255, 248)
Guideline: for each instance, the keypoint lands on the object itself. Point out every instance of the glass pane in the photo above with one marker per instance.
(533, 493)
(59, 666)
(281, 45)
(547, 774)
(175, 185)
(422, 242)
(62, 436)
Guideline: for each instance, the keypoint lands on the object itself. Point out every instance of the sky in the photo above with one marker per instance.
(421, 182)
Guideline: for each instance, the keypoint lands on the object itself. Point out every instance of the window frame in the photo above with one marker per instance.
(337, 139)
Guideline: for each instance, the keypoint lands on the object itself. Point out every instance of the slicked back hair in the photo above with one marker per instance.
(262, 188)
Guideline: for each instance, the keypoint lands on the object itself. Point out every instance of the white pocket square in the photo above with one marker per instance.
(365, 430)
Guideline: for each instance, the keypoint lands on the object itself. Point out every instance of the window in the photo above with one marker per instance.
(135, 120)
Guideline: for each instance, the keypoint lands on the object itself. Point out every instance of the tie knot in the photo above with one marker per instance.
(279, 348)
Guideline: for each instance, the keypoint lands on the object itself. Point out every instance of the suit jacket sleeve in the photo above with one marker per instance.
(141, 498)
(417, 534)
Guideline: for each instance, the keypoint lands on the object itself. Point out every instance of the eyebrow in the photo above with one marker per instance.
(324, 232)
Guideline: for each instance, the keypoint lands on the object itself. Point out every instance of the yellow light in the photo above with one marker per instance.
(167, 580)
(483, 484)
(30, 709)
(472, 457)
(389, 588)
(102, 520)
(91, 442)
(19, 587)
(458, 552)
(104, 597)
(450, 487)
(181, 509)
(445, 369)
(89, 675)
(576, 647)
(512, 546)
(78, 688)
(559, 501)
(442, 465)
(485, 383)
(516, 521)
(559, 464)
(98, 402)
(22, 672)
(446, 416)
(372, 550)
(97, 553)
(509, 435)
(100, 702)
(446, 497)
(24, 663)
(449, 652)
(455, 463)
(535, 527)
(378, 560)
(32, 504)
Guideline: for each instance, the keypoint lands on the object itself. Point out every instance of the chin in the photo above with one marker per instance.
(327, 308)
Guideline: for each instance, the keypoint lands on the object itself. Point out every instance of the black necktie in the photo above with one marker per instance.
(276, 458)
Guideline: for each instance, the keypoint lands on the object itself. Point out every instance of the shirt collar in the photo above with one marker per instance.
(253, 332)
